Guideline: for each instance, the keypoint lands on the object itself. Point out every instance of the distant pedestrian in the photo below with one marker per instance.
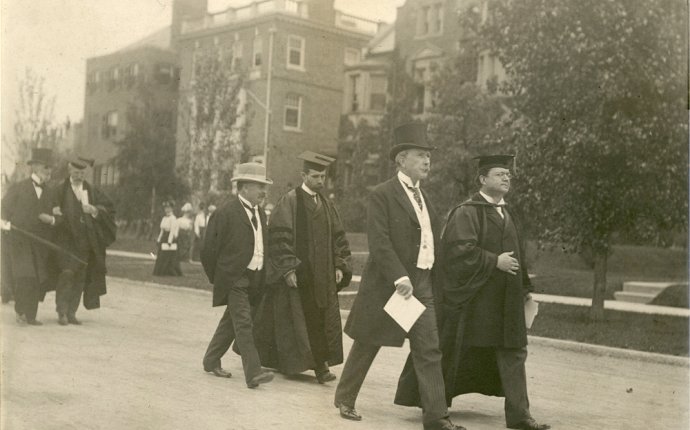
(402, 230)
(233, 259)
(28, 205)
(185, 232)
(484, 338)
(199, 230)
(87, 229)
(167, 262)
(309, 263)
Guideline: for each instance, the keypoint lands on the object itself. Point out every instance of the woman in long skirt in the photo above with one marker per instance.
(184, 232)
(167, 262)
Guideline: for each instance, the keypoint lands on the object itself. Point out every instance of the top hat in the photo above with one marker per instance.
(251, 172)
(41, 156)
(315, 161)
(409, 136)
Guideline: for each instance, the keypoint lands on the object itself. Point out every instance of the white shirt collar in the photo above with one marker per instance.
(406, 180)
(308, 190)
(246, 202)
(491, 200)
(36, 179)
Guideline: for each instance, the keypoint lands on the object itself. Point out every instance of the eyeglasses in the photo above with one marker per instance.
(503, 175)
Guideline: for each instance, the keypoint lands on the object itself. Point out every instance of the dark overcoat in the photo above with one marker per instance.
(228, 248)
(100, 232)
(21, 207)
(483, 306)
(394, 236)
(282, 330)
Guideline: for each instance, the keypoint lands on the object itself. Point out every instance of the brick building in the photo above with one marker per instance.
(312, 42)
(113, 83)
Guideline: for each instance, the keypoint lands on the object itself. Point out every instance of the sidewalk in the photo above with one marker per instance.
(136, 364)
(543, 298)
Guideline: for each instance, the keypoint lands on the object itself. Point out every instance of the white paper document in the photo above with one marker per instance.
(531, 311)
(404, 312)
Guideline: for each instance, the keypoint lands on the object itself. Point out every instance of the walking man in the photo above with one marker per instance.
(28, 205)
(309, 254)
(402, 231)
(87, 228)
(233, 259)
(484, 339)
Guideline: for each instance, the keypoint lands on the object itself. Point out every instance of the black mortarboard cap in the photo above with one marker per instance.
(315, 161)
(489, 161)
(409, 136)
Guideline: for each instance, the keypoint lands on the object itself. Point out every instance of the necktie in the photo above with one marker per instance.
(255, 222)
(417, 195)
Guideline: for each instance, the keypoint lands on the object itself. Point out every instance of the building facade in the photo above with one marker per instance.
(307, 43)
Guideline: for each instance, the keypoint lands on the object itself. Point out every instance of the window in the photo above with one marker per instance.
(377, 97)
(437, 18)
(237, 49)
(258, 49)
(354, 93)
(165, 73)
(293, 109)
(430, 20)
(351, 56)
(109, 128)
(295, 53)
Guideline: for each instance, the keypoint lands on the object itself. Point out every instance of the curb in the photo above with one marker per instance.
(566, 345)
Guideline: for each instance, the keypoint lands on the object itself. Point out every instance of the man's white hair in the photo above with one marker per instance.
(399, 157)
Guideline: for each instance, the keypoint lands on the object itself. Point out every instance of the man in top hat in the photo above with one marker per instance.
(233, 257)
(484, 338)
(87, 229)
(403, 231)
(300, 327)
(28, 206)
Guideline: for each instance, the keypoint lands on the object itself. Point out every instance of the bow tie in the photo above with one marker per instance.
(496, 205)
(37, 184)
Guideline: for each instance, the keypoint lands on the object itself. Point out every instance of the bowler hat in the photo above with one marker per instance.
(251, 172)
(409, 136)
(41, 156)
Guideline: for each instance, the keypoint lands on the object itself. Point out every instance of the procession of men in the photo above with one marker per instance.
(279, 280)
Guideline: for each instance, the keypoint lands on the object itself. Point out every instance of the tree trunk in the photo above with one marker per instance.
(600, 260)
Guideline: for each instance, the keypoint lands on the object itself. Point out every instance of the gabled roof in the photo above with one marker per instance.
(384, 41)
(428, 51)
(158, 39)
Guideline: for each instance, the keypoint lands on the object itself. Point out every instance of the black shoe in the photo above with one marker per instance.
(324, 377)
(348, 412)
(443, 424)
(72, 319)
(530, 424)
(62, 319)
(261, 378)
(34, 322)
(219, 372)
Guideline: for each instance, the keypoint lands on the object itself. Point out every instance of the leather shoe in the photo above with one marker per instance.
(34, 322)
(324, 377)
(73, 320)
(261, 378)
(62, 319)
(348, 412)
(220, 372)
(530, 424)
(443, 424)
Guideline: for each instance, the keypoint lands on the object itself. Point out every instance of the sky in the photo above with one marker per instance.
(55, 37)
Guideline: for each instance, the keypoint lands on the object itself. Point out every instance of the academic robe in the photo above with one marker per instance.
(483, 306)
(293, 326)
(78, 232)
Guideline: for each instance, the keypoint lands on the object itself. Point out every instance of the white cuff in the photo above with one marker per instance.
(399, 280)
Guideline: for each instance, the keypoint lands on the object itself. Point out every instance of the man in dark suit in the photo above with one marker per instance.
(402, 231)
(87, 229)
(28, 205)
(233, 259)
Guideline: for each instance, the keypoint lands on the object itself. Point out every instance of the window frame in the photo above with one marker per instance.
(302, 50)
(287, 126)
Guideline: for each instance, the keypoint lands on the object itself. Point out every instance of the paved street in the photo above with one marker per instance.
(136, 364)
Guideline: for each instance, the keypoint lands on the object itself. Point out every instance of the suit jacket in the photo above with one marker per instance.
(21, 207)
(228, 247)
(394, 236)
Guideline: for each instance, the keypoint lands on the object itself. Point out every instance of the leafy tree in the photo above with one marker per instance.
(213, 121)
(146, 161)
(600, 88)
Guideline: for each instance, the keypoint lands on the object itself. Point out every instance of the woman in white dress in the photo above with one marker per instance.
(167, 262)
